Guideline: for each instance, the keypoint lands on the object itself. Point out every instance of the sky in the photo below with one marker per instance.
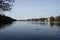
(26, 9)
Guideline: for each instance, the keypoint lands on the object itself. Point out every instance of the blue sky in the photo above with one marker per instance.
(25, 9)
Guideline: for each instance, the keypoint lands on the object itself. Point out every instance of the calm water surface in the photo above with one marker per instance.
(28, 30)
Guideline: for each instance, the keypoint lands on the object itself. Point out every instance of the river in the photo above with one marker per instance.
(30, 30)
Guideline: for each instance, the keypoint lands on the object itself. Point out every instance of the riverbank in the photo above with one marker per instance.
(49, 19)
(5, 19)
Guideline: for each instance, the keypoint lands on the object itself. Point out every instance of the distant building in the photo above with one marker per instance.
(51, 19)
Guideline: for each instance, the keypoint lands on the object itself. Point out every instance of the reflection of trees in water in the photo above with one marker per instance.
(54, 24)
(51, 24)
(5, 25)
(57, 24)
(45, 23)
(40, 23)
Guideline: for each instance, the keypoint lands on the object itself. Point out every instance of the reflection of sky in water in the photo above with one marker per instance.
(23, 30)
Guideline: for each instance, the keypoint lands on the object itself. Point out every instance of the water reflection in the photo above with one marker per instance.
(51, 24)
(5, 25)
(46, 23)
(25, 30)
(54, 24)
(57, 24)
(41, 23)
